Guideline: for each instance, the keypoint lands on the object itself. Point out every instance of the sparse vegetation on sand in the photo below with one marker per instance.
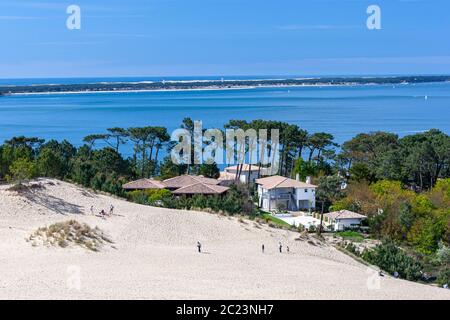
(23, 188)
(64, 234)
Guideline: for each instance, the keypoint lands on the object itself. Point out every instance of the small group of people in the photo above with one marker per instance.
(103, 213)
(280, 248)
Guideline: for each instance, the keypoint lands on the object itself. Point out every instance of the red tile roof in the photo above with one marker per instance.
(143, 184)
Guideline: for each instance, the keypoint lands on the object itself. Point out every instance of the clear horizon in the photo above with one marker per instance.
(223, 38)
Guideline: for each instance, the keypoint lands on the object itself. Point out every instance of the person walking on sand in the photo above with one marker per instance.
(287, 249)
(262, 248)
(280, 247)
(199, 247)
(92, 210)
(111, 210)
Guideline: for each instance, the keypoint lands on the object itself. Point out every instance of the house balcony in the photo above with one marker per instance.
(281, 196)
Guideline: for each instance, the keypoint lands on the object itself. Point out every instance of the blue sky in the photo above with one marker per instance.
(223, 37)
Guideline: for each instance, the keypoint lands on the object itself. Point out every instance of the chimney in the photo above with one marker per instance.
(308, 180)
(297, 177)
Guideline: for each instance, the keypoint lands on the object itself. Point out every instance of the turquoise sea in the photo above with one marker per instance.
(342, 111)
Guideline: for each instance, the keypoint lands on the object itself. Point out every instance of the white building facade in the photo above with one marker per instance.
(278, 193)
(343, 220)
(244, 174)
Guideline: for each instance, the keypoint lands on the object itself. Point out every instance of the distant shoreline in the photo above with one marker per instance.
(202, 85)
(125, 91)
(174, 90)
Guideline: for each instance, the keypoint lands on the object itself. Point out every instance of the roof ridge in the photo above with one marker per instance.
(210, 186)
(183, 175)
(199, 182)
(282, 180)
(189, 185)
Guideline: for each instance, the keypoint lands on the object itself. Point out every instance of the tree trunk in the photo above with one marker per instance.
(300, 151)
(321, 220)
(311, 152)
(117, 144)
(318, 155)
(143, 159)
(421, 181)
(151, 150)
(156, 155)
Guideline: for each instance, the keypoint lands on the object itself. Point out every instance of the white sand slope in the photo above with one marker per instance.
(155, 256)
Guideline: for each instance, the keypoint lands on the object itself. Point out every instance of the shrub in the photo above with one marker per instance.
(70, 232)
(21, 169)
(138, 196)
(350, 247)
(443, 254)
(49, 164)
(444, 277)
(392, 259)
(346, 204)
(426, 233)
(155, 197)
(351, 235)
(421, 205)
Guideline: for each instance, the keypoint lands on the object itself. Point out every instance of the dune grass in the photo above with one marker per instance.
(64, 234)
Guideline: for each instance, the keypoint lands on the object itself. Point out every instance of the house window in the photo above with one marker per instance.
(306, 190)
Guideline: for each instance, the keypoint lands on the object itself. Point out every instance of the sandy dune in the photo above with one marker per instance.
(154, 256)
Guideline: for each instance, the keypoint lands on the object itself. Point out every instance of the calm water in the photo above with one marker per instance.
(342, 111)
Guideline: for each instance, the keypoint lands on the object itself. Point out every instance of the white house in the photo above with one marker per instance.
(281, 193)
(247, 172)
(344, 219)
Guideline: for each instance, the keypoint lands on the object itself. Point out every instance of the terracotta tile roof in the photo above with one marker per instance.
(245, 168)
(275, 182)
(187, 180)
(143, 184)
(201, 188)
(344, 214)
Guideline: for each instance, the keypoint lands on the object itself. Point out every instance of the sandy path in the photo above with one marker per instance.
(155, 256)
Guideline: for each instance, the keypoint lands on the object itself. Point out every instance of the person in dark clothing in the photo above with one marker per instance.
(199, 247)
(280, 247)
(262, 248)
